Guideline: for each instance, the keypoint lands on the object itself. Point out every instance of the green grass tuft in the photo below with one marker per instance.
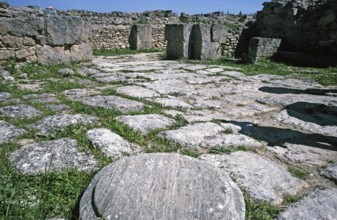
(298, 172)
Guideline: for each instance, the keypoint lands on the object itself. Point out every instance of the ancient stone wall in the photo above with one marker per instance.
(32, 35)
(112, 30)
(308, 26)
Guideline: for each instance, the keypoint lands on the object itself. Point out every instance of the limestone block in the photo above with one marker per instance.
(262, 47)
(50, 55)
(12, 41)
(81, 52)
(177, 37)
(219, 33)
(25, 52)
(66, 30)
(6, 54)
(28, 26)
(140, 37)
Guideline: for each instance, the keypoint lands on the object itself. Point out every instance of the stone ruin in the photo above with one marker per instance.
(140, 37)
(308, 29)
(195, 41)
(33, 35)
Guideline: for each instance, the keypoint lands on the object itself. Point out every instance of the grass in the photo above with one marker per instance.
(298, 172)
(259, 210)
(324, 76)
(229, 150)
(126, 51)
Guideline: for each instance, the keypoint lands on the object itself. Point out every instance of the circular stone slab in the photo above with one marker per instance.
(162, 186)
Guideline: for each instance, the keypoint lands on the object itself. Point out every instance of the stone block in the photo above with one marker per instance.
(66, 30)
(201, 46)
(50, 55)
(219, 33)
(20, 27)
(140, 37)
(25, 52)
(262, 47)
(178, 38)
(6, 54)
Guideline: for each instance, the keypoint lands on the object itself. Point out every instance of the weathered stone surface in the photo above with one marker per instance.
(66, 72)
(177, 36)
(66, 30)
(56, 122)
(140, 37)
(113, 102)
(20, 111)
(58, 108)
(56, 155)
(180, 188)
(146, 123)
(302, 154)
(261, 177)
(260, 47)
(4, 96)
(44, 98)
(138, 92)
(331, 172)
(111, 144)
(8, 132)
(207, 135)
(320, 204)
(173, 103)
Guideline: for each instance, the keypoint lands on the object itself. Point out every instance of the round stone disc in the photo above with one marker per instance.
(162, 186)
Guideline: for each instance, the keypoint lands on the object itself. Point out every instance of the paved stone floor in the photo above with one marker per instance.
(279, 120)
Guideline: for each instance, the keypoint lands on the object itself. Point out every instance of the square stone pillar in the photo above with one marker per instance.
(178, 38)
(260, 47)
(140, 37)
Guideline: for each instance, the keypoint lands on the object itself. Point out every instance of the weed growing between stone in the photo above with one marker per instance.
(299, 172)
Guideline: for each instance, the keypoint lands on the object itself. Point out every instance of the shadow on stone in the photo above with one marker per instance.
(280, 136)
(313, 112)
(280, 90)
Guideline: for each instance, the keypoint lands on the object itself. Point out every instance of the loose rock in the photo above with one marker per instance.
(20, 111)
(331, 172)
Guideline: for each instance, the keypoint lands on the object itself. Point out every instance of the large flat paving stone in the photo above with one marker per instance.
(262, 178)
(138, 92)
(56, 155)
(207, 135)
(173, 103)
(20, 111)
(111, 144)
(162, 186)
(8, 132)
(113, 102)
(331, 172)
(44, 98)
(59, 121)
(146, 123)
(320, 204)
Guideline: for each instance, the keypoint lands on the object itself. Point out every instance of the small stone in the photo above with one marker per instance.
(161, 186)
(262, 178)
(66, 72)
(20, 111)
(58, 108)
(54, 156)
(56, 122)
(111, 144)
(8, 132)
(146, 123)
(320, 204)
(331, 172)
(23, 76)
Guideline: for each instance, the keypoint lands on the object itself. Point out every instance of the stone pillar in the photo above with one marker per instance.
(205, 42)
(260, 47)
(177, 37)
(140, 37)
